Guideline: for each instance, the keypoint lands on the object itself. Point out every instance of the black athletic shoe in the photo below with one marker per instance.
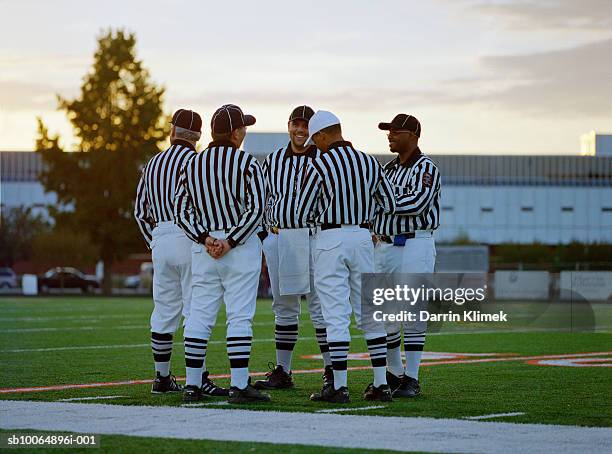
(246, 395)
(192, 393)
(328, 376)
(330, 394)
(210, 389)
(277, 378)
(382, 393)
(163, 385)
(409, 387)
(393, 381)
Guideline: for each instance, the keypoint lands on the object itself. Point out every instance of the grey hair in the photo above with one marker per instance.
(186, 134)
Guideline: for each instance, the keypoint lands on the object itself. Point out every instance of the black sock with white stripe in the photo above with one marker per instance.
(377, 347)
(195, 360)
(286, 336)
(394, 354)
(239, 352)
(413, 349)
(339, 355)
(161, 345)
(323, 345)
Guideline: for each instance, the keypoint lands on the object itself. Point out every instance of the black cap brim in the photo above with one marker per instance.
(249, 120)
(385, 126)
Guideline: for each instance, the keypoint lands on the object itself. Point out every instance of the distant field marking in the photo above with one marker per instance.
(573, 362)
(96, 347)
(295, 372)
(338, 410)
(98, 327)
(494, 415)
(104, 347)
(76, 399)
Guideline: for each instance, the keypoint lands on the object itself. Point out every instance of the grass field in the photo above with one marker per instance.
(74, 340)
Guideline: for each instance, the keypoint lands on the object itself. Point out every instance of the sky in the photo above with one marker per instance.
(482, 76)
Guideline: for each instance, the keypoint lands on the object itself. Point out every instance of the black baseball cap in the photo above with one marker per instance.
(301, 113)
(403, 122)
(228, 118)
(187, 119)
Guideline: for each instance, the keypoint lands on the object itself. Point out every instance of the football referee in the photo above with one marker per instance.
(171, 249)
(219, 204)
(342, 188)
(288, 250)
(405, 239)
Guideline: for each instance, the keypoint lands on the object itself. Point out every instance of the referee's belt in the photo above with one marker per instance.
(400, 240)
(276, 230)
(365, 225)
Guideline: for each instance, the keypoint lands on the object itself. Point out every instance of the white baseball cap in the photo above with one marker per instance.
(320, 120)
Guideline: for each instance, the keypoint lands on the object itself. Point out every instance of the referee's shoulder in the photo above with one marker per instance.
(427, 160)
(246, 160)
(271, 157)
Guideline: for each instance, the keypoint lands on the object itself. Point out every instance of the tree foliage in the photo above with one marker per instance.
(18, 228)
(119, 122)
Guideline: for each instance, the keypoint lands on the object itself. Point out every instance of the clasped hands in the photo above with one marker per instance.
(216, 248)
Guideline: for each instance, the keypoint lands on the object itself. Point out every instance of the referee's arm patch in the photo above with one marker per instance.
(427, 180)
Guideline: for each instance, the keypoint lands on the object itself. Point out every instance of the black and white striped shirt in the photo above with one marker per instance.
(221, 188)
(417, 189)
(343, 186)
(285, 172)
(157, 185)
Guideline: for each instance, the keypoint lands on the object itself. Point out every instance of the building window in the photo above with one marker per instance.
(527, 209)
(447, 208)
(606, 209)
(568, 209)
(486, 209)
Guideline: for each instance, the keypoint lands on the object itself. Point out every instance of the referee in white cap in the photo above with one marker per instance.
(288, 250)
(406, 240)
(343, 186)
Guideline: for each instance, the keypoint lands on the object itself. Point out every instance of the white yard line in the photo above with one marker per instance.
(206, 404)
(105, 347)
(314, 429)
(99, 328)
(119, 346)
(76, 399)
(73, 328)
(339, 410)
(494, 415)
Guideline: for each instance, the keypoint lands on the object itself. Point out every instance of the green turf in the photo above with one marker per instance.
(121, 443)
(552, 395)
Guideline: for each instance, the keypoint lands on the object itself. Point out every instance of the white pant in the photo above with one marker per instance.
(232, 279)
(286, 308)
(171, 250)
(418, 255)
(340, 256)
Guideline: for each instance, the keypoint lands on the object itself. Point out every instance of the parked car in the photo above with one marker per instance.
(132, 281)
(8, 278)
(67, 278)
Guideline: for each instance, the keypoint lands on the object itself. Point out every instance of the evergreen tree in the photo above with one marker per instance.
(119, 122)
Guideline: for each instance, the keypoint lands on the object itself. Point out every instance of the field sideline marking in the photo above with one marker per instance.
(301, 428)
(337, 410)
(295, 372)
(494, 415)
(76, 399)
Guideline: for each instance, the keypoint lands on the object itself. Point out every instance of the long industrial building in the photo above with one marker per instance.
(485, 199)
